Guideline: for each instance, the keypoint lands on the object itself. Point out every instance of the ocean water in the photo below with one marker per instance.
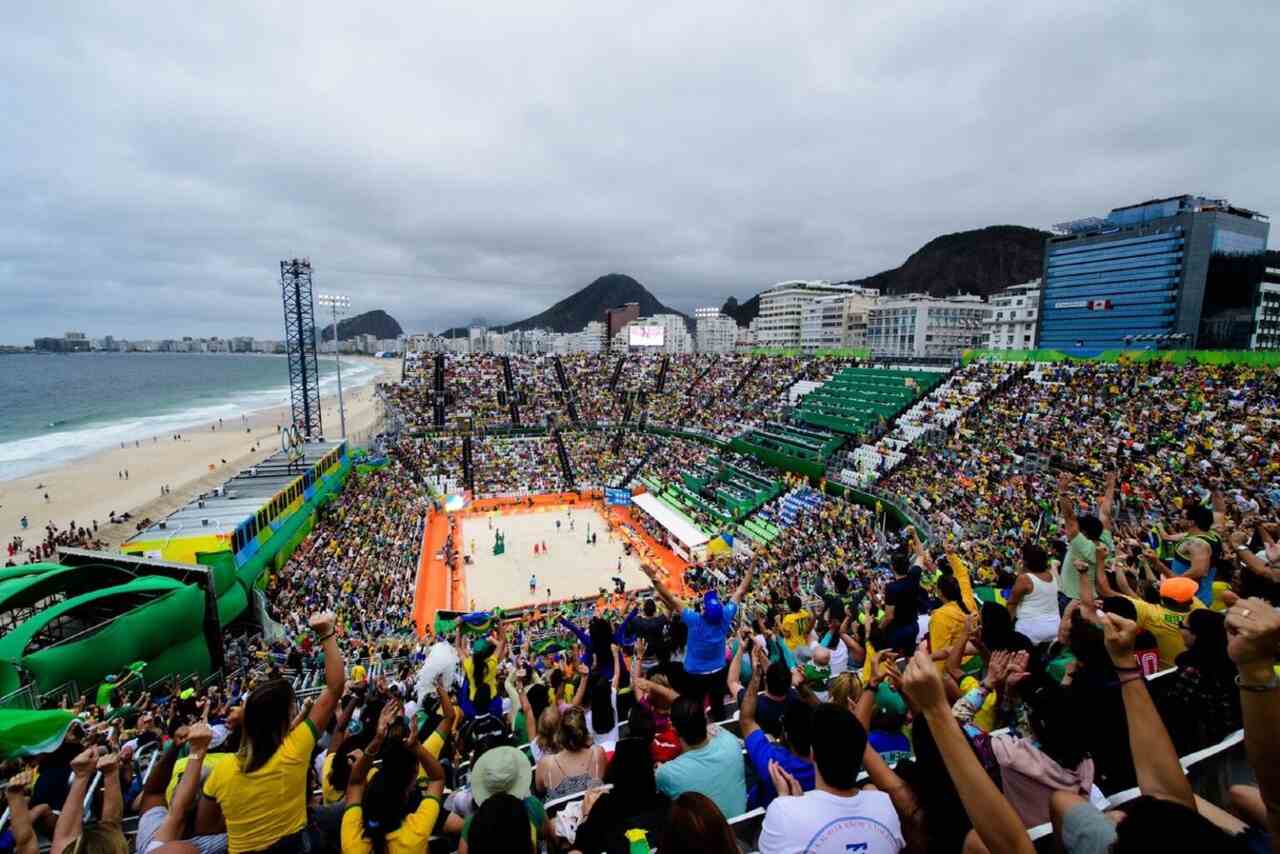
(59, 407)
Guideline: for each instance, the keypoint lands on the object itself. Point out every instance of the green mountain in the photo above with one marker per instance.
(377, 323)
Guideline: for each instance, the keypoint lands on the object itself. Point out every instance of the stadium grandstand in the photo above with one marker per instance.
(604, 602)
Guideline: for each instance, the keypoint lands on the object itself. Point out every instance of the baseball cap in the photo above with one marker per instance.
(1179, 589)
(501, 770)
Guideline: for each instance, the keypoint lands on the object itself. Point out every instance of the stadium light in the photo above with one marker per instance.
(338, 304)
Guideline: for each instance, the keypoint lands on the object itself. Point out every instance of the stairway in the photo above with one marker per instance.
(564, 460)
(662, 373)
(751, 371)
(565, 391)
(511, 391)
(437, 398)
(635, 469)
(468, 468)
(617, 373)
(626, 410)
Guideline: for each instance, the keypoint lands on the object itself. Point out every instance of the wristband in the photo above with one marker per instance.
(1259, 687)
(1131, 677)
(326, 637)
(1126, 669)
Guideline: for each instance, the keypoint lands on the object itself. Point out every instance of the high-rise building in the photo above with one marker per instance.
(836, 321)
(781, 307)
(1266, 313)
(714, 332)
(1177, 272)
(616, 318)
(918, 326)
(1011, 323)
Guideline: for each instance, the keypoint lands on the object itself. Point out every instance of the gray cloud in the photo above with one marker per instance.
(449, 160)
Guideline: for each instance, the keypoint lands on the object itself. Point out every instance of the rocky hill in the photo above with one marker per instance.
(981, 261)
(573, 312)
(377, 323)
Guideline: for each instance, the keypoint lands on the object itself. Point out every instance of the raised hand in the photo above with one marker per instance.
(199, 737)
(922, 684)
(1253, 633)
(85, 762)
(1119, 635)
(109, 763)
(322, 623)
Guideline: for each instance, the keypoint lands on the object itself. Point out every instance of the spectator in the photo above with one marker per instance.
(697, 824)
(710, 763)
(1033, 601)
(792, 755)
(262, 795)
(835, 815)
(579, 763)
(634, 802)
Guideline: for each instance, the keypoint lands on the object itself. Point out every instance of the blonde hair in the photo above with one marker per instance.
(845, 689)
(100, 838)
(572, 735)
(548, 727)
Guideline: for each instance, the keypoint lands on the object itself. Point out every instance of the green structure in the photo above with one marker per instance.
(165, 601)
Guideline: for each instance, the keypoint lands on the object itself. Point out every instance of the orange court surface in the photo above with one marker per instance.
(570, 568)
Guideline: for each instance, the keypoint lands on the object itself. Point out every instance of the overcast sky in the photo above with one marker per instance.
(452, 160)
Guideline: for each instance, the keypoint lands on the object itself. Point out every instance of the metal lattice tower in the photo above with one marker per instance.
(300, 339)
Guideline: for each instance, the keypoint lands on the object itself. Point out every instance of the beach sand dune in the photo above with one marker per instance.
(86, 489)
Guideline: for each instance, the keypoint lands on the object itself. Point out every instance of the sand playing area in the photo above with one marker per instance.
(570, 568)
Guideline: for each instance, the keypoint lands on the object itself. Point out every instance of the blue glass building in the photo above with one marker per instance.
(1176, 272)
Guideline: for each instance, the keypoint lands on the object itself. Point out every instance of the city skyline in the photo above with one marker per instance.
(156, 181)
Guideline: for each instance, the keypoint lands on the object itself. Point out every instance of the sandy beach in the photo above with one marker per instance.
(90, 488)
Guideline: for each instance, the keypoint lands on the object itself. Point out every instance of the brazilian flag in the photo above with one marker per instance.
(477, 623)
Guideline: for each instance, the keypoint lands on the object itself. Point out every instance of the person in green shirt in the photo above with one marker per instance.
(1083, 535)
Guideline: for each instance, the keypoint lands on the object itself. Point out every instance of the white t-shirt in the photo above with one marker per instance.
(822, 823)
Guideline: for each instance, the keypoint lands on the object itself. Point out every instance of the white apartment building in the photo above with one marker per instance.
(781, 307)
(1011, 322)
(713, 331)
(836, 321)
(916, 326)
(1266, 314)
(675, 335)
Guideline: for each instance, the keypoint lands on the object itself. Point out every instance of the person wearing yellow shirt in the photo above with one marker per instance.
(262, 794)
(382, 821)
(946, 624)
(796, 625)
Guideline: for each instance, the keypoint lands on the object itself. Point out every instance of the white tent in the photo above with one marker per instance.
(688, 536)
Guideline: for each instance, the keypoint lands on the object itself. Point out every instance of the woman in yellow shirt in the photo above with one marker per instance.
(946, 624)
(262, 794)
(382, 822)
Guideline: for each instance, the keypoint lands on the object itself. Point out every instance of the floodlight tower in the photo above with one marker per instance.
(300, 341)
(339, 305)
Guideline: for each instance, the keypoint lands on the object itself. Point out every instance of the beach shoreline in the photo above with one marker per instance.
(90, 488)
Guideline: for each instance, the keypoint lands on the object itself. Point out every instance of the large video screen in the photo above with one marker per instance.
(645, 336)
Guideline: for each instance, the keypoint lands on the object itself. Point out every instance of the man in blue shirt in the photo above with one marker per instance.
(792, 754)
(704, 653)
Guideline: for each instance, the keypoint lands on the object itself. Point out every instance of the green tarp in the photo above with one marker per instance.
(28, 733)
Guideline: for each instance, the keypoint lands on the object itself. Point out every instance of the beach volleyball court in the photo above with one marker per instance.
(570, 568)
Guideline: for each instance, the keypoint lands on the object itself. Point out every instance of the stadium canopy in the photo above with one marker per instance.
(689, 534)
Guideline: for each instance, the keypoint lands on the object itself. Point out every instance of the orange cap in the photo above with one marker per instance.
(1178, 589)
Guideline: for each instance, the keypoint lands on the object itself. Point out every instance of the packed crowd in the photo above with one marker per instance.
(863, 689)
(508, 465)
(1163, 434)
(360, 560)
(698, 390)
